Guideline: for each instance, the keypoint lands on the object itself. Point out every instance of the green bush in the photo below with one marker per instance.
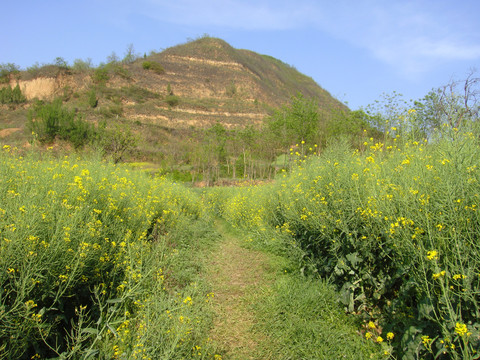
(100, 75)
(111, 111)
(153, 66)
(115, 142)
(11, 96)
(50, 120)
(92, 99)
(6, 70)
(172, 100)
(80, 65)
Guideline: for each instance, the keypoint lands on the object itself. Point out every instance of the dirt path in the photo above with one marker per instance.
(235, 274)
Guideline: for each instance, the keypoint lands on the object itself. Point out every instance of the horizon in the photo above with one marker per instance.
(355, 51)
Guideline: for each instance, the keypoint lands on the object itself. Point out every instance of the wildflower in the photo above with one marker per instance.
(188, 300)
(432, 255)
(368, 335)
(390, 336)
(371, 325)
(30, 304)
(379, 339)
(461, 329)
(426, 340)
(437, 275)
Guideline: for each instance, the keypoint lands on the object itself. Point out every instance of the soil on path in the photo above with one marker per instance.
(236, 274)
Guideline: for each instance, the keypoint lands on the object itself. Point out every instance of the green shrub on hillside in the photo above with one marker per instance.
(50, 120)
(6, 70)
(80, 65)
(153, 66)
(100, 75)
(92, 99)
(115, 142)
(11, 96)
(172, 100)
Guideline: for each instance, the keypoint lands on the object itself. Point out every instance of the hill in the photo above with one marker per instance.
(212, 80)
(167, 98)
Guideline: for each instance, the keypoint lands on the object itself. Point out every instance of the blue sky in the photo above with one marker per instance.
(355, 49)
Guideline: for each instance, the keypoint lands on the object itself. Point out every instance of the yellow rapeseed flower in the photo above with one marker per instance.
(461, 329)
(437, 275)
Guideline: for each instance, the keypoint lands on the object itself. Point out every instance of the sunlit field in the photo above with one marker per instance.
(395, 227)
(96, 262)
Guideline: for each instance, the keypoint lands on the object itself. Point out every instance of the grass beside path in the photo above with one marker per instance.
(266, 311)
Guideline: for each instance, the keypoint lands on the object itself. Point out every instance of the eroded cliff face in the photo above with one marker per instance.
(46, 88)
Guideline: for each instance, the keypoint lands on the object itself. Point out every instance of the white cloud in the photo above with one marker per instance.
(412, 37)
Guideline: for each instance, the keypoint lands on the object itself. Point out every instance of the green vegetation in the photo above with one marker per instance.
(11, 96)
(369, 227)
(6, 70)
(98, 262)
(303, 320)
(47, 121)
(92, 99)
(172, 100)
(100, 75)
(153, 66)
(392, 228)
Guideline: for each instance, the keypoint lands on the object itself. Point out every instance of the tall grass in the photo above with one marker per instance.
(395, 228)
(96, 262)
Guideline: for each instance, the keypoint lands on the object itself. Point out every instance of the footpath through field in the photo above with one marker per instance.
(266, 310)
(236, 274)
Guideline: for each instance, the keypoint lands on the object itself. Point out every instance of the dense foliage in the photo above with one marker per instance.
(90, 260)
(395, 227)
(11, 96)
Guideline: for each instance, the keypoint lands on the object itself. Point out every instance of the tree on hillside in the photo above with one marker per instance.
(296, 122)
(130, 55)
(456, 104)
(349, 124)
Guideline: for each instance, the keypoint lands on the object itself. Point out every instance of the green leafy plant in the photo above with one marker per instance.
(172, 100)
(100, 75)
(153, 66)
(49, 120)
(117, 141)
(11, 96)
(92, 98)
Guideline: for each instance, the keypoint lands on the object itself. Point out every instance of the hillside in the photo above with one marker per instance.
(167, 98)
(213, 81)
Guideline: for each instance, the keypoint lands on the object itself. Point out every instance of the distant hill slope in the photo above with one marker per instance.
(168, 99)
(236, 87)
(202, 82)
